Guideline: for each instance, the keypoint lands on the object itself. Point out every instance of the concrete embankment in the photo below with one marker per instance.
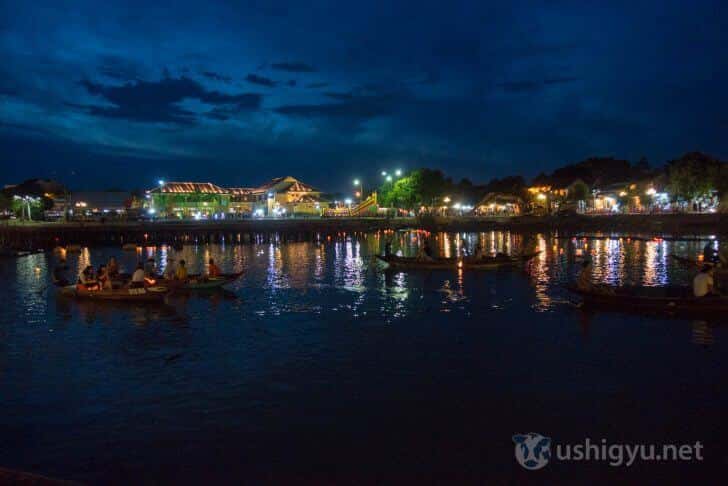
(47, 235)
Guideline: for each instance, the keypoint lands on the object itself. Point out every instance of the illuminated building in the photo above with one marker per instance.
(280, 197)
(188, 200)
(498, 204)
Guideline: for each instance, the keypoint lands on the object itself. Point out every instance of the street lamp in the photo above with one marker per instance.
(161, 182)
(360, 193)
(398, 172)
(384, 173)
(389, 178)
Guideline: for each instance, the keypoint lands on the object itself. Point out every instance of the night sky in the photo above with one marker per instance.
(239, 92)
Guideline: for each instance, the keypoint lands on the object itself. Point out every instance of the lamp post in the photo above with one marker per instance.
(360, 194)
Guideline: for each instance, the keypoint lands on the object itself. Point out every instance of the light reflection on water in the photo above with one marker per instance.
(309, 317)
(302, 275)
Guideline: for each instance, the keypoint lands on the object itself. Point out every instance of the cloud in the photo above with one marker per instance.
(560, 80)
(352, 107)
(533, 86)
(157, 101)
(294, 67)
(339, 96)
(317, 85)
(117, 67)
(260, 80)
(226, 112)
(520, 86)
(216, 76)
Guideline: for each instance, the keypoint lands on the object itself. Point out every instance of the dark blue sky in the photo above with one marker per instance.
(236, 93)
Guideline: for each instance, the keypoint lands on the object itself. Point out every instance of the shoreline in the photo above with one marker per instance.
(45, 235)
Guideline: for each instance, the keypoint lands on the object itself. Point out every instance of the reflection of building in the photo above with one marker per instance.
(283, 196)
(99, 204)
(498, 204)
(188, 200)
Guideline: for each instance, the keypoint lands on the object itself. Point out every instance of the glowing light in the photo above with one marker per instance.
(356, 182)
(151, 211)
(398, 172)
(447, 199)
(622, 193)
(541, 196)
(347, 201)
(384, 173)
(160, 182)
(651, 191)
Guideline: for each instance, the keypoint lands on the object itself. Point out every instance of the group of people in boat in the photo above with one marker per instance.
(427, 254)
(108, 276)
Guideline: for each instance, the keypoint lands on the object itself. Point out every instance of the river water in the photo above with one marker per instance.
(318, 360)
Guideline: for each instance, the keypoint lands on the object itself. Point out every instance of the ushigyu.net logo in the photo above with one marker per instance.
(533, 451)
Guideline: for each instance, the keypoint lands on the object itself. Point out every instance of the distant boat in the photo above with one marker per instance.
(672, 300)
(466, 263)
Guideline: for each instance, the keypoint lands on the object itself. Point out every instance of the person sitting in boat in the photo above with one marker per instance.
(60, 273)
(710, 255)
(149, 268)
(703, 282)
(388, 247)
(480, 253)
(425, 253)
(103, 278)
(137, 278)
(112, 268)
(169, 270)
(87, 279)
(213, 270)
(181, 272)
(584, 281)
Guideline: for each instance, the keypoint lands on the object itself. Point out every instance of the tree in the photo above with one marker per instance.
(578, 191)
(419, 187)
(6, 202)
(693, 175)
(511, 185)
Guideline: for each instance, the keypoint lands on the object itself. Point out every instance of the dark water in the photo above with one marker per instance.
(318, 361)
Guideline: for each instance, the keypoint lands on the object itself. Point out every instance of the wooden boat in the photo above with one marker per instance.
(140, 295)
(17, 253)
(672, 300)
(466, 263)
(692, 263)
(200, 282)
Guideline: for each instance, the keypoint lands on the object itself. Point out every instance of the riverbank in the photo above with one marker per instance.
(46, 235)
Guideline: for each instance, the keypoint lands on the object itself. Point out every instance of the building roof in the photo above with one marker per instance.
(285, 184)
(189, 188)
(100, 199)
(240, 191)
(499, 198)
